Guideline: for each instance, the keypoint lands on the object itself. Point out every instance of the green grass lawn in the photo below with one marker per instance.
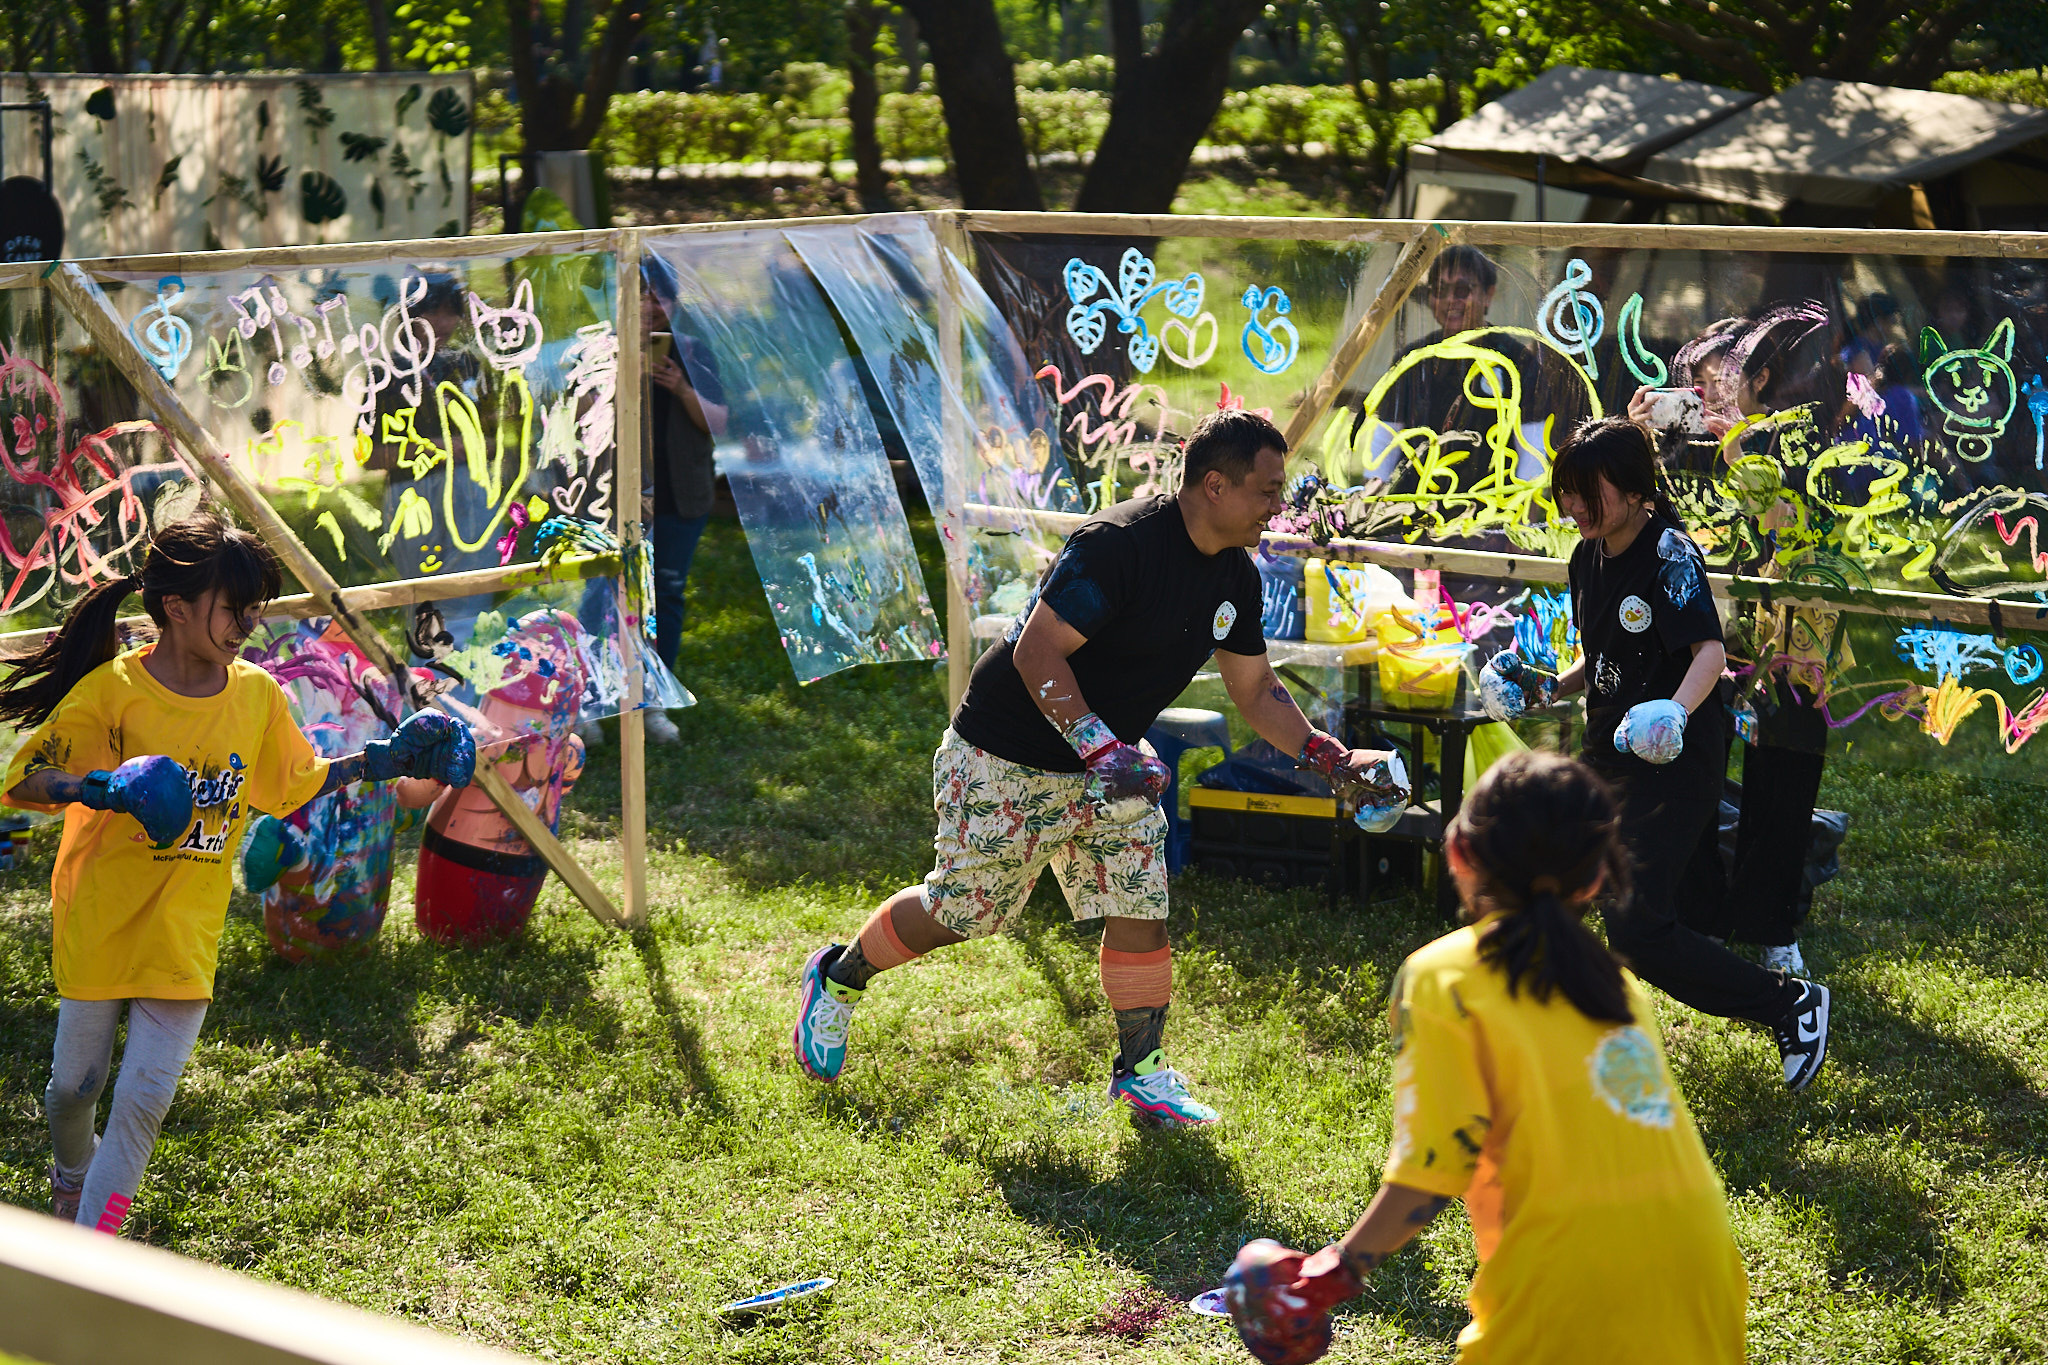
(576, 1145)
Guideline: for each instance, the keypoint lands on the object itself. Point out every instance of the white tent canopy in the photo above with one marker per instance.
(1841, 143)
(1580, 116)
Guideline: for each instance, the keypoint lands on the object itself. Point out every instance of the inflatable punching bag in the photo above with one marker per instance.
(478, 879)
(334, 897)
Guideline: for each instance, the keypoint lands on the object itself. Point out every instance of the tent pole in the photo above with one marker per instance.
(631, 387)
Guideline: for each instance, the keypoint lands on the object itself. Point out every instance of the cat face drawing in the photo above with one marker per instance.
(1974, 389)
(510, 336)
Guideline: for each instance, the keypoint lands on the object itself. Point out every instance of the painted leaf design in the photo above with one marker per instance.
(377, 201)
(447, 114)
(270, 173)
(100, 104)
(361, 146)
(408, 100)
(321, 197)
(165, 179)
(263, 117)
(318, 115)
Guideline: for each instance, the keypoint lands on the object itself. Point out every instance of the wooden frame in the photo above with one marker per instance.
(70, 1296)
(82, 297)
(1419, 241)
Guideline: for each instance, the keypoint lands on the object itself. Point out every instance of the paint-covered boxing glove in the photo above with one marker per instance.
(1653, 731)
(1123, 779)
(154, 789)
(1280, 1300)
(429, 744)
(1380, 789)
(1508, 686)
(272, 849)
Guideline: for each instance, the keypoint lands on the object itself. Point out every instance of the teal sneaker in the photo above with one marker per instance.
(1159, 1096)
(824, 1014)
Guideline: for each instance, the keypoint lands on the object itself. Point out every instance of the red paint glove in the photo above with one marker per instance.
(1280, 1300)
(1122, 778)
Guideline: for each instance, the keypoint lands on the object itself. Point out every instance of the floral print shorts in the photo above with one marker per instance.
(1001, 824)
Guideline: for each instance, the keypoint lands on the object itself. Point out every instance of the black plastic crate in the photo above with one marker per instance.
(1284, 841)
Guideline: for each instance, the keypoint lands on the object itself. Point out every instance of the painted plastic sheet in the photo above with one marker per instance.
(1845, 421)
(807, 466)
(976, 427)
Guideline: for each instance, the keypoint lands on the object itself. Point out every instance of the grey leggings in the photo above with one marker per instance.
(161, 1035)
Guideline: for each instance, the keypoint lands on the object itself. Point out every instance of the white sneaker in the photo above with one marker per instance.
(662, 730)
(1803, 1035)
(1785, 959)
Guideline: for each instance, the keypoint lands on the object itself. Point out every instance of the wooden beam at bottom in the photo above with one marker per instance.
(1771, 592)
(73, 1297)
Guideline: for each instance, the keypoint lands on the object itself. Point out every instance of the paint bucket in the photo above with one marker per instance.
(13, 839)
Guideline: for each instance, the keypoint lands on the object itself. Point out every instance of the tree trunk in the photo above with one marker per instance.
(96, 30)
(978, 87)
(906, 48)
(1163, 101)
(863, 26)
(560, 111)
(380, 31)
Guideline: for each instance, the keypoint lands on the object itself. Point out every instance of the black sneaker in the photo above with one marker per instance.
(1803, 1035)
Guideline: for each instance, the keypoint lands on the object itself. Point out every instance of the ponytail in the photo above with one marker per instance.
(1541, 832)
(86, 640)
(187, 559)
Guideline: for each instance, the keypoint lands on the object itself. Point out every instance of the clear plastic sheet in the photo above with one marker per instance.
(809, 472)
(885, 278)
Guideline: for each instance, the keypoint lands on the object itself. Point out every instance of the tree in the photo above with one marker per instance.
(1368, 37)
(1164, 99)
(978, 88)
(565, 70)
(1765, 45)
(863, 30)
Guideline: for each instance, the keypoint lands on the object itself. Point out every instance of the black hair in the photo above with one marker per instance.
(443, 293)
(187, 559)
(1613, 448)
(1796, 344)
(1717, 340)
(1463, 260)
(1229, 441)
(1542, 833)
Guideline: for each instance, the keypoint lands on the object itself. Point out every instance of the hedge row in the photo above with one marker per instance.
(805, 120)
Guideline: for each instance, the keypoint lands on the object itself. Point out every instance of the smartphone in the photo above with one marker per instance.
(1681, 410)
(660, 346)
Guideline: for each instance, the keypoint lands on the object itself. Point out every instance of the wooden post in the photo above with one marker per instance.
(1415, 257)
(87, 303)
(959, 612)
(632, 390)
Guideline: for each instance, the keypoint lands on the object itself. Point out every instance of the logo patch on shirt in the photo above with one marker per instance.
(1635, 614)
(1628, 1078)
(1226, 617)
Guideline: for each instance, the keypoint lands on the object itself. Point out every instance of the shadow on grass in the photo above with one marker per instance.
(682, 1028)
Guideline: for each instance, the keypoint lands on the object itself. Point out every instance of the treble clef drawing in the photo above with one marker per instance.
(410, 345)
(167, 339)
(1133, 290)
(1272, 354)
(1572, 321)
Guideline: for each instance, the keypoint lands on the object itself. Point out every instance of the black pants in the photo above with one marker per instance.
(1767, 896)
(1673, 840)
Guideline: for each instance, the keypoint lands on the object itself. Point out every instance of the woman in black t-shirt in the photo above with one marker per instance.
(1651, 659)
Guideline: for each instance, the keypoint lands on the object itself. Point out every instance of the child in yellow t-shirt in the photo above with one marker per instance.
(1530, 1081)
(184, 739)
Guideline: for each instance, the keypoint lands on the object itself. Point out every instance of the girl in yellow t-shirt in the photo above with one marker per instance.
(157, 757)
(1530, 1081)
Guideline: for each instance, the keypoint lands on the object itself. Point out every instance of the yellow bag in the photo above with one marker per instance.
(1421, 660)
(1344, 599)
(1486, 746)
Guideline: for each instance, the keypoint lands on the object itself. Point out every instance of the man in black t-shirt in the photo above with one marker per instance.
(1042, 765)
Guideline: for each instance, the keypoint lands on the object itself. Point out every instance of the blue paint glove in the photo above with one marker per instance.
(273, 849)
(428, 744)
(1653, 731)
(155, 790)
(1381, 789)
(1508, 686)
